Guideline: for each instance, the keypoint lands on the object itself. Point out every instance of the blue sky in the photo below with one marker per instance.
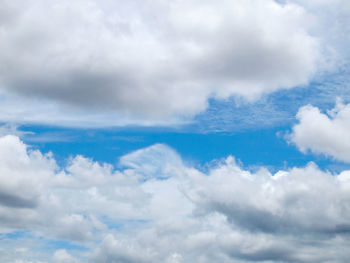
(259, 147)
(174, 131)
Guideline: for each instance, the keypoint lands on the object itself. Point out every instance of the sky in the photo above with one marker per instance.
(179, 131)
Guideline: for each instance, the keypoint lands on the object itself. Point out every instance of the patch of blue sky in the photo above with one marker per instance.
(46, 243)
(51, 245)
(256, 147)
(273, 110)
(122, 225)
(37, 248)
(16, 235)
(112, 224)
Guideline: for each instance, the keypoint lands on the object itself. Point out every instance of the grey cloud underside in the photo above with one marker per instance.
(254, 220)
(153, 59)
(11, 200)
(156, 209)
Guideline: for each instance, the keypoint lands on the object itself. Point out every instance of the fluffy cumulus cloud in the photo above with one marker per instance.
(152, 58)
(167, 211)
(324, 133)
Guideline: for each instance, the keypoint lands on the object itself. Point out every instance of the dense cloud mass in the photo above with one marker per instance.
(324, 133)
(153, 58)
(167, 211)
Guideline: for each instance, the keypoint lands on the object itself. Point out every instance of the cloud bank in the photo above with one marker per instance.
(153, 58)
(166, 211)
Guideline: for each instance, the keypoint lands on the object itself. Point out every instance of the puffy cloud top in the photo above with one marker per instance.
(228, 214)
(324, 133)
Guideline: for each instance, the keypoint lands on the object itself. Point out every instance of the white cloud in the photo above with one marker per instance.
(332, 23)
(152, 162)
(304, 200)
(226, 215)
(324, 133)
(153, 58)
(112, 250)
(23, 174)
(62, 256)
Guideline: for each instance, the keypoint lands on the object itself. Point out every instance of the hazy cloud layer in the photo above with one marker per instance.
(153, 58)
(332, 26)
(165, 211)
(324, 133)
